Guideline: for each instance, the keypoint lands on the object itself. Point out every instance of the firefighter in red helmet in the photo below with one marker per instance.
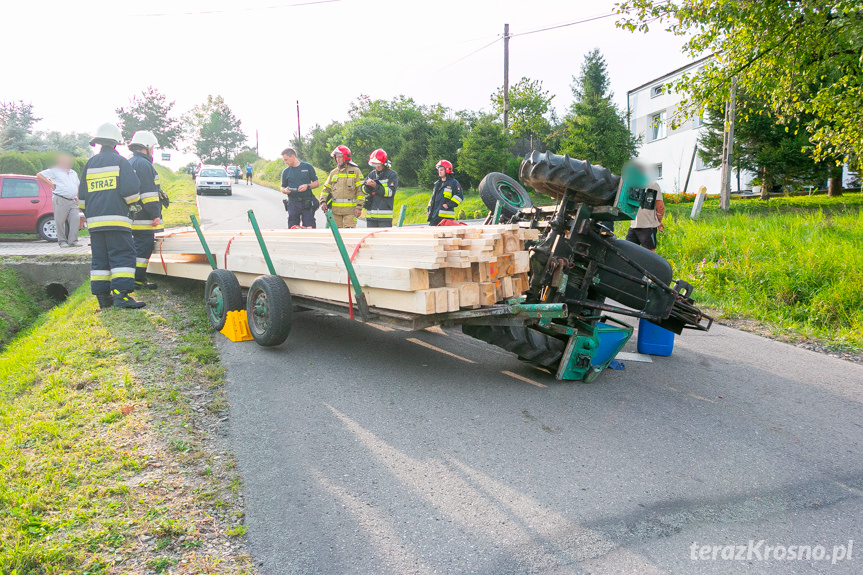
(343, 191)
(447, 195)
(380, 190)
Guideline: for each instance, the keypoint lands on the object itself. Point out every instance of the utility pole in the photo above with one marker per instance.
(506, 77)
(299, 132)
(728, 148)
(257, 148)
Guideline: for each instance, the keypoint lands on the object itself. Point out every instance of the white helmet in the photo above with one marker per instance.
(144, 138)
(107, 132)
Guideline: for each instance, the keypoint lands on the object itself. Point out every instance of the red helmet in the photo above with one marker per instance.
(343, 150)
(378, 157)
(445, 164)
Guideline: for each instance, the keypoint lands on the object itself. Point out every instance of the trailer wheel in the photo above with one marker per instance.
(222, 294)
(269, 310)
(497, 187)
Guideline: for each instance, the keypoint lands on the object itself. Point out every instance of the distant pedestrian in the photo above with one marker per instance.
(108, 186)
(648, 223)
(298, 181)
(64, 182)
(446, 195)
(248, 174)
(380, 190)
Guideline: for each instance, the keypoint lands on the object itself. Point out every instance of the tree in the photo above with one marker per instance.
(485, 149)
(444, 143)
(801, 59)
(16, 126)
(73, 143)
(595, 129)
(763, 146)
(528, 106)
(247, 156)
(151, 111)
(217, 133)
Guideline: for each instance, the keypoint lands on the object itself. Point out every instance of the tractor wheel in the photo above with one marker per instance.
(530, 345)
(270, 310)
(553, 175)
(221, 295)
(497, 187)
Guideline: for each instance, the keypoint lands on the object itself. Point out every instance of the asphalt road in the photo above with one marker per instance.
(365, 451)
(230, 212)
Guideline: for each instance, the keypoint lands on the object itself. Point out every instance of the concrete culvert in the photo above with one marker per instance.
(56, 292)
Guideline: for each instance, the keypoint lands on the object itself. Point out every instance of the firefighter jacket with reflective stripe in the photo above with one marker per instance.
(148, 207)
(343, 190)
(445, 198)
(108, 187)
(380, 199)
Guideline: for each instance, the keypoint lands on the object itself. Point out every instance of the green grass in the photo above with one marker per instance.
(181, 190)
(100, 440)
(793, 264)
(21, 304)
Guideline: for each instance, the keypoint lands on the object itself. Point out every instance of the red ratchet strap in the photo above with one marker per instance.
(228, 248)
(161, 257)
(353, 255)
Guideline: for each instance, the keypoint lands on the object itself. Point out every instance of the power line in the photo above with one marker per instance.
(564, 25)
(468, 56)
(248, 9)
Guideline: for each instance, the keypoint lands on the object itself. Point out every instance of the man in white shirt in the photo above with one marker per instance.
(63, 180)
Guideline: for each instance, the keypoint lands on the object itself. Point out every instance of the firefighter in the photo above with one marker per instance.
(446, 196)
(342, 191)
(380, 190)
(146, 213)
(108, 187)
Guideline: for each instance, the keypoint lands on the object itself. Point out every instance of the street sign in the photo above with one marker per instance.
(166, 157)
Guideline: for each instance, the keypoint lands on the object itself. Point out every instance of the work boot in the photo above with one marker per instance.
(106, 300)
(145, 285)
(123, 300)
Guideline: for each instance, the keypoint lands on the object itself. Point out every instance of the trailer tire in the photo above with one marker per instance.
(221, 295)
(553, 175)
(270, 311)
(496, 187)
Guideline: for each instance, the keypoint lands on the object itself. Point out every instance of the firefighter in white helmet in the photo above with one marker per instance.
(147, 212)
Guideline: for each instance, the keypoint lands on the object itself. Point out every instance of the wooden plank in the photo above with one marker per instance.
(506, 287)
(452, 299)
(441, 296)
(468, 295)
(487, 293)
(457, 275)
(480, 272)
(521, 262)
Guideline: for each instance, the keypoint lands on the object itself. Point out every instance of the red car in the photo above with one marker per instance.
(26, 206)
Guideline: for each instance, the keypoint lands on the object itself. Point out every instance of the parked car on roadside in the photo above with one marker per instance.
(26, 206)
(212, 179)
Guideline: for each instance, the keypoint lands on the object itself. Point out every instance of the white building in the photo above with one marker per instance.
(669, 152)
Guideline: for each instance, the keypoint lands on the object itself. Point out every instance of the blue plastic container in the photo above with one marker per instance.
(611, 340)
(654, 340)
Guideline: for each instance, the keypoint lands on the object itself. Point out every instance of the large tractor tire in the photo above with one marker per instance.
(497, 187)
(528, 344)
(269, 310)
(553, 175)
(221, 295)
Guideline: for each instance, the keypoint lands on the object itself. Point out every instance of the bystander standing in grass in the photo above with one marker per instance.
(64, 182)
(648, 223)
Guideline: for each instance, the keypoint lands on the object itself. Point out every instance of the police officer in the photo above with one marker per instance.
(146, 213)
(342, 191)
(108, 187)
(380, 190)
(298, 181)
(446, 196)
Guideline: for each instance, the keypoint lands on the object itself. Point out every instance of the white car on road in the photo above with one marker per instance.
(212, 179)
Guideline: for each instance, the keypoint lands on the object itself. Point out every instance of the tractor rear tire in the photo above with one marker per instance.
(497, 187)
(221, 295)
(530, 345)
(270, 311)
(553, 175)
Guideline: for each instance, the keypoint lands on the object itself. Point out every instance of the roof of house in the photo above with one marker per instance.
(672, 73)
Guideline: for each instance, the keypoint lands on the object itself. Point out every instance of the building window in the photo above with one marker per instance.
(697, 121)
(657, 171)
(656, 91)
(656, 129)
(699, 163)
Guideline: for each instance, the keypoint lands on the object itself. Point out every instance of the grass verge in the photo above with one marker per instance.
(793, 264)
(22, 304)
(111, 457)
(181, 190)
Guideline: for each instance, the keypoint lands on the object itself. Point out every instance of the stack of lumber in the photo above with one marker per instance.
(423, 270)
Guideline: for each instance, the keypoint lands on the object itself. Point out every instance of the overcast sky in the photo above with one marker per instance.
(78, 61)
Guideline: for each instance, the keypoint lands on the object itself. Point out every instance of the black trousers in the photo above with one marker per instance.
(112, 263)
(144, 241)
(297, 213)
(378, 223)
